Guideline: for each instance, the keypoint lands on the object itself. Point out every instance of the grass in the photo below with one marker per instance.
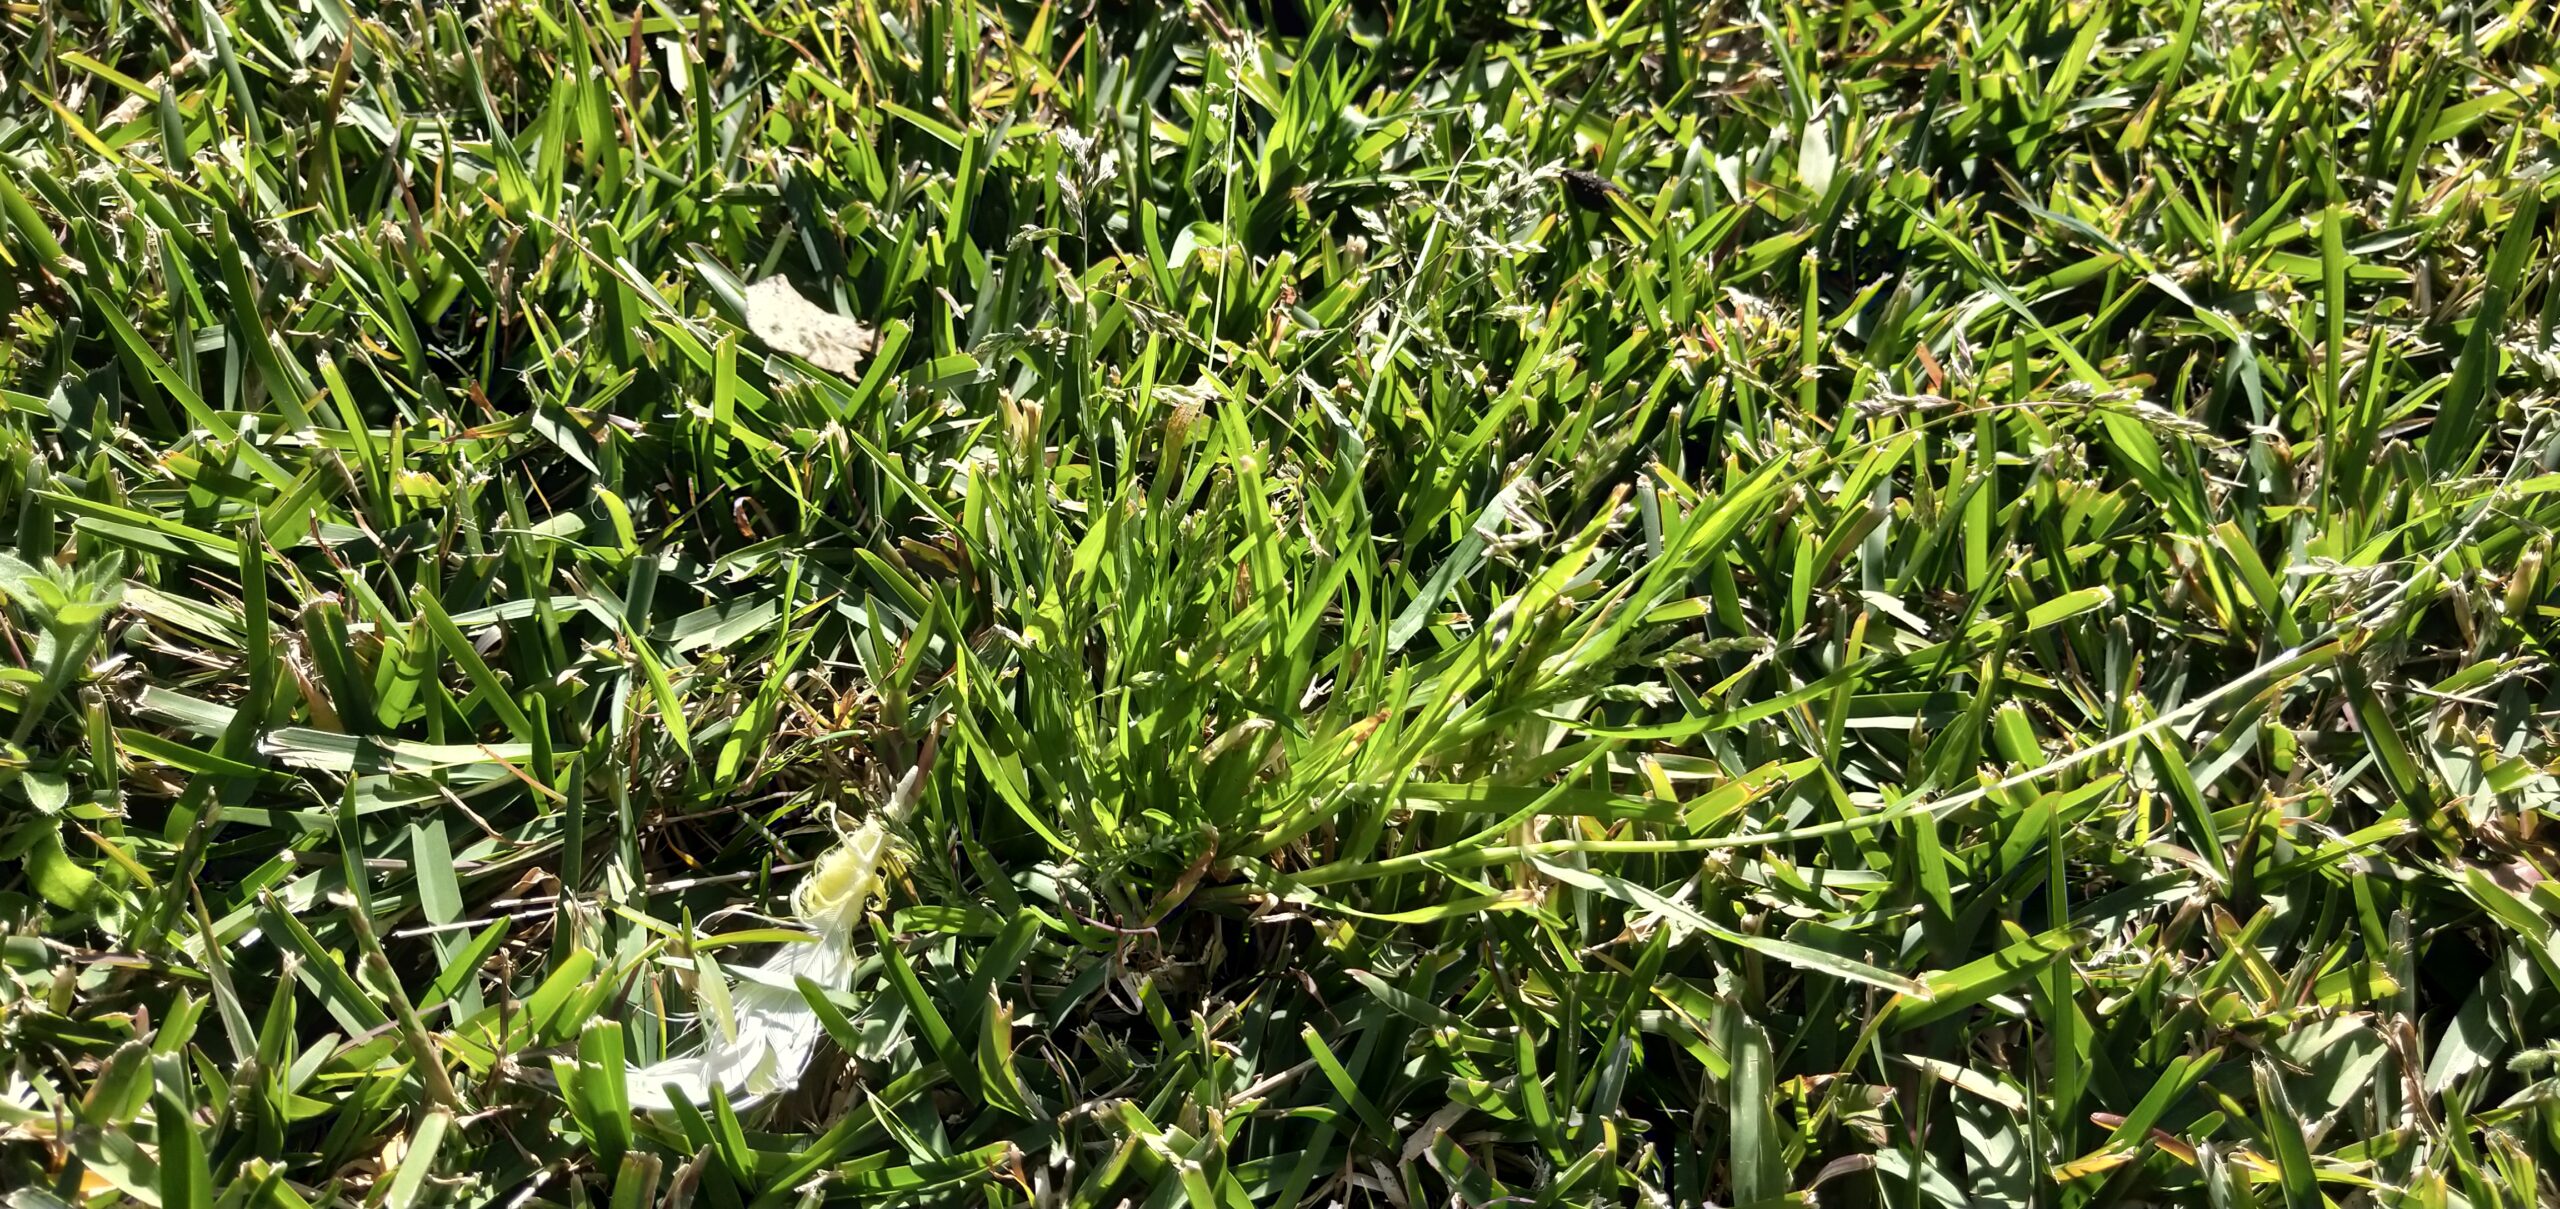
(1976, 633)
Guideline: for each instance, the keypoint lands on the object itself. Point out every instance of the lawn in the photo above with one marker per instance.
(1903, 603)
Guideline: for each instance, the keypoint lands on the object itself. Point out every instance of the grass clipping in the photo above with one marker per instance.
(761, 1050)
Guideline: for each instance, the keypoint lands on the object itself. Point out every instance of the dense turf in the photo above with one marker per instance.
(1926, 604)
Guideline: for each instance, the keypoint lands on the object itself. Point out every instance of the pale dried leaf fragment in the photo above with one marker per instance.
(760, 1045)
(780, 317)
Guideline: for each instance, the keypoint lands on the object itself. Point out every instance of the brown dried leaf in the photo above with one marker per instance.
(780, 317)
